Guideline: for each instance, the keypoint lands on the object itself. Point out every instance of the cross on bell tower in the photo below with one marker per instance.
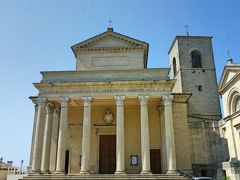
(187, 26)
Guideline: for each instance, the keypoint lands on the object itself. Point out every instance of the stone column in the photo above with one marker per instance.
(35, 101)
(86, 135)
(145, 148)
(38, 140)
(169, 136)
(163, 139)
(47, 139)
(62, 136)
(54, 139)
(120, 151)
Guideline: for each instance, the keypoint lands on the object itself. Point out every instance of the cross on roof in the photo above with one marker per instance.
(186, 26)
(110, 23)
(229, 56)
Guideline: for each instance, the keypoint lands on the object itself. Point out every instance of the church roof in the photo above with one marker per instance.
(229, 75)
(125, 43)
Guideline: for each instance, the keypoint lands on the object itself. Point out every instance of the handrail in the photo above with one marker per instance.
(185, 174)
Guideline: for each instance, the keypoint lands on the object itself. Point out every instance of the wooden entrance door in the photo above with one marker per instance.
(107, 154)
(155, 158)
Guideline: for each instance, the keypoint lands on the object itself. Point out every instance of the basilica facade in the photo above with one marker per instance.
(113, 115)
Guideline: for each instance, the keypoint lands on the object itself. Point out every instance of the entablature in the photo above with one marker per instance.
(106, 75)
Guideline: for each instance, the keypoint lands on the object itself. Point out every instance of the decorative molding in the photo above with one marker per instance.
(108, 116)
(158, 84)
(107, 49)
(87, 101)
(49, 108)
(143, 100)
(167, 99)
(237, 126)
(119, 100)
(57, 111)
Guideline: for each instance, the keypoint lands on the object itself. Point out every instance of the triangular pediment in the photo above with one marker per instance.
(229, 74)
(110, 39)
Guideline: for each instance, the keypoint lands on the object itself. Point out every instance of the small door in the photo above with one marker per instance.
(66, 161)
(155, 158)
(107, 154)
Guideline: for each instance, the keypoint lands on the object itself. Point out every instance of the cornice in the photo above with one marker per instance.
(168, 84)
(226, 86)
(107, 49)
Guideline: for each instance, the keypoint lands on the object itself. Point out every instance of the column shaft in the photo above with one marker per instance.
(54, 139)
(34, 130)
(38, 141)
(62, 136)
(169, 135)
(47, 140)
(86, 137)
(145, 148)
(120, 149)
(163, 141)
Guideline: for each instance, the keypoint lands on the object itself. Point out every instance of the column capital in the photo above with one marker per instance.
(42, 101)
(143, 100)
(87, 101)
(49, 108)
(167, 99)
(35, 101)
(119, 100)
(64, 101)
(57, 111)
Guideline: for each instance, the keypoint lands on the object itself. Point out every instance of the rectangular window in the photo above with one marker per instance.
(199, 87)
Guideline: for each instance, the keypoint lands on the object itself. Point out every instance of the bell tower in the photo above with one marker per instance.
(192, 65)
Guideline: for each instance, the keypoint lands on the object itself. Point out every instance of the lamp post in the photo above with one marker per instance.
(22, 166)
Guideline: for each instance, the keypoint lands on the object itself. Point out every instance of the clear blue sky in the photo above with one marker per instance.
(36, 35)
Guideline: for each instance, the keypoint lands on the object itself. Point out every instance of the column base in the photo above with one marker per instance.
(45, 172)
(59, 172)
(35, 172)
(146, 172)
(84, 173)
(119, 172)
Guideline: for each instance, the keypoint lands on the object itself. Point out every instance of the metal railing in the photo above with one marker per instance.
(185, 174)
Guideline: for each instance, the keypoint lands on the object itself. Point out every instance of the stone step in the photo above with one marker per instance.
(105, 177)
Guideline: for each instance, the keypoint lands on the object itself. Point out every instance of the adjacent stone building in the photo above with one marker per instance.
(229, 89)
(113, 115)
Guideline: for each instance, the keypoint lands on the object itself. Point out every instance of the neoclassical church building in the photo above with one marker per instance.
(113, 115)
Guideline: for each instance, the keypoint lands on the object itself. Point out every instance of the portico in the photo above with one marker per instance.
(91, 122)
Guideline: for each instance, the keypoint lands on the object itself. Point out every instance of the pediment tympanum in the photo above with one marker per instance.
(111, 50)
(229, 73)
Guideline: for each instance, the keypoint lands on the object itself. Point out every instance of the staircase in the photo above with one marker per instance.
(105, 177)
